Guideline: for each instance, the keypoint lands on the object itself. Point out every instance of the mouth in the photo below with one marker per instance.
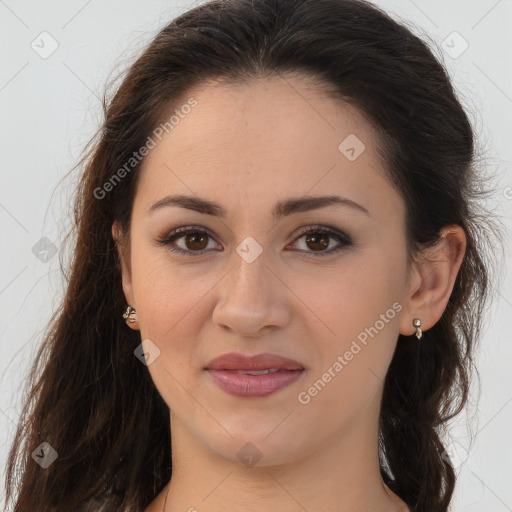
(253, 363)
(256, 372)
(253, 376)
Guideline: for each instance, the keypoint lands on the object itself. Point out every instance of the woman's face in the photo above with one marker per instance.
(251, 281)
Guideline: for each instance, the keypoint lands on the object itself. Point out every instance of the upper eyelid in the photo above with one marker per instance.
(320, 227)
(181, 231)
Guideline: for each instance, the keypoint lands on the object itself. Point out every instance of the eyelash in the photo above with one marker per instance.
(178, 233)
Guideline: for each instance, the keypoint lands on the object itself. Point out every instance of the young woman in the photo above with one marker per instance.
(278, 276)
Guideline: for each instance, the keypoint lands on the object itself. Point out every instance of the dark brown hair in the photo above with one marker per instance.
(95, 403)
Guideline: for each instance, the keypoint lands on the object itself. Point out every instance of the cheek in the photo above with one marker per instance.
(358, 307)
(354, 295)
(352, 368)
(169, 299)
(163, 290)
(171, 307)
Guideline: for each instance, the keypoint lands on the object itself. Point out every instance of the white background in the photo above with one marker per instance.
(50, 108)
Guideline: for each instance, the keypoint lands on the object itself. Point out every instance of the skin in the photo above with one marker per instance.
(247, 146)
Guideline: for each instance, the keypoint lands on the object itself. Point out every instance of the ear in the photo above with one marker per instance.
(124, 257)
(432, 280)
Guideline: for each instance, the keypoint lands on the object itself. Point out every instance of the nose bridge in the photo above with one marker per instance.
(251, 299)
(250, 282)
(251, 257)
(250, 277)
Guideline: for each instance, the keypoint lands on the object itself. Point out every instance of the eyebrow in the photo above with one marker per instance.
(281, 209)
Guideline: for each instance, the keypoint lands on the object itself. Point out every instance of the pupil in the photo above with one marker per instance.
(323, 243)
(193, 238)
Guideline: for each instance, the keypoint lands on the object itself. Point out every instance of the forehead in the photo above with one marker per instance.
(271, 136)
(270, 114)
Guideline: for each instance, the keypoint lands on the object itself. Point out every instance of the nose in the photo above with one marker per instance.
(252, 299)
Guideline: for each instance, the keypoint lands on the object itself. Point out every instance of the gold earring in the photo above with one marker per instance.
(130, 316)
(417, 323)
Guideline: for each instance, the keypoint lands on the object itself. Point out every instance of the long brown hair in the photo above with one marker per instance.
(95, 403)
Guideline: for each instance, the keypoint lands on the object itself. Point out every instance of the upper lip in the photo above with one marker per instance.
(266, 361)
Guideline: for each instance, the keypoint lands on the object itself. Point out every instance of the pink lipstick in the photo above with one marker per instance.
(253, 376)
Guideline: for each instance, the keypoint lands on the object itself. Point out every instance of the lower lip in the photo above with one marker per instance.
(253, 386)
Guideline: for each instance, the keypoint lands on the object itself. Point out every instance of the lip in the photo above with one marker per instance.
(224, 371)
(237, 361)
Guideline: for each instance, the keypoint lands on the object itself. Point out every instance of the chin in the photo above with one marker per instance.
(258, 445)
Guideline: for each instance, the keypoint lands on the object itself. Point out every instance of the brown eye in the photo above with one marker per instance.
(315, 241)
(188, 240)
(196, 241)
(318, 242)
